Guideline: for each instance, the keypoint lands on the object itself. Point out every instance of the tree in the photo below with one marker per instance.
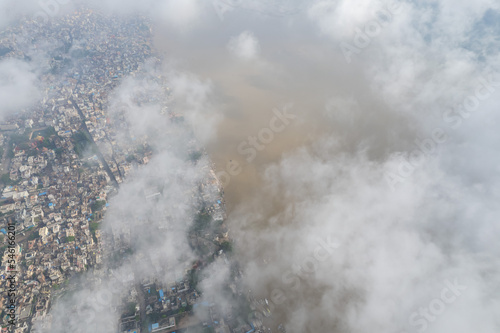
(227, 247)
(131, 308)
(49, 131)
(34, 235)
(94, 226)
(6, 179)
(195, 156)
(82, 142)
(97, 205)
(193, 278)
(202, 221)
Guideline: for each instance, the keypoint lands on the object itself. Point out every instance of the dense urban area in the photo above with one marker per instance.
(62, 161)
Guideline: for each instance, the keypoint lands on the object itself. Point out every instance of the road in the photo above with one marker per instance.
(98, 152)
(5, 159)
(142, 303)
(113, 155)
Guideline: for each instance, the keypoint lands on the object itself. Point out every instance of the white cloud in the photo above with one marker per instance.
(397, 247)
(245, 46)
(193, 96)
(11, 10)
(18, 86)
(180, 14)
(339, 19)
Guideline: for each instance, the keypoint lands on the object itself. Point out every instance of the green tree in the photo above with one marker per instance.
(34, 235)
(227, 247)
(131, 308)
(195, 156)
(94, 226)
(82, 142)
(97, 205)
(6, 179)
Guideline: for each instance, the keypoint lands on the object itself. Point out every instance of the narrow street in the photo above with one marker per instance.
(98, 152)
(5, 159)
(142, 303)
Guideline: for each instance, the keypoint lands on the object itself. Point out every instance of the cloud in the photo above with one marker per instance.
(193, 98)
(181, 13)
(11, 10)
(339, 19)
(394, 256)
(18, 86)
(398, 248)
(151, 214)
(245, 46)
(319, 230)
(214, 284)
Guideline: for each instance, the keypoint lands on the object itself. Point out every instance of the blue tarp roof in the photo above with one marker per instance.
(3, 231)
(161, 292)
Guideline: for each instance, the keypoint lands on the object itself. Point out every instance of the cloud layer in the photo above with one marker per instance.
(377, 208)
(18, 86)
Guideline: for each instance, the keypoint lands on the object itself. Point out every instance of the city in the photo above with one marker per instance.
(249, 166)
(63, 161)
